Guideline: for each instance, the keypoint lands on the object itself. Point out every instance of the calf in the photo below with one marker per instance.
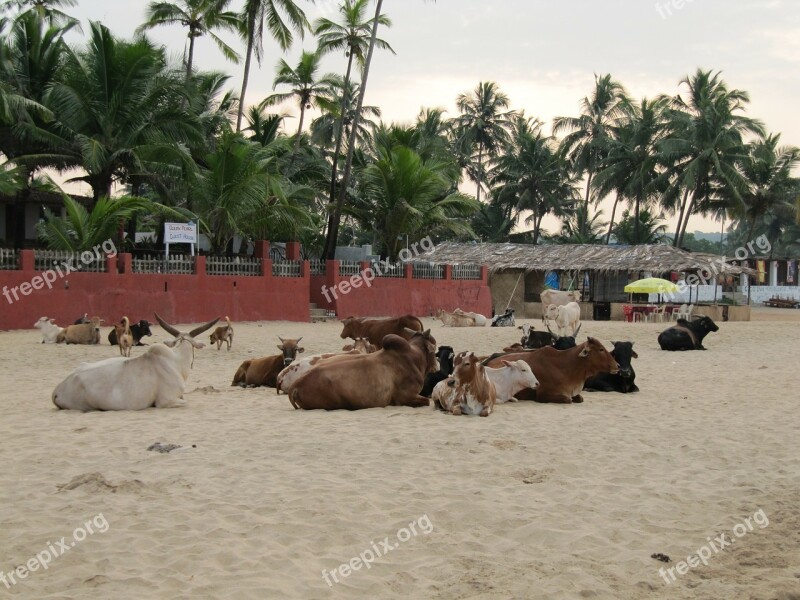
(687, 335)
(85, 333)
(50, 331)
(124, 337)
(504, 320)
(138, 331)
(623, 381)
(557, 297)
(223, 333)
(392, 376)
(468, 392)
(562, 373)
(567, 317)
(532, 339)
(445, 357)
(264, 371)
(510, 379)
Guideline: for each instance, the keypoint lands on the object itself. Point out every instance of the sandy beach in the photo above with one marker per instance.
(537, 501)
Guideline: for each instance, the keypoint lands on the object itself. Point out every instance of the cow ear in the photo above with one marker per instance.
(584, 353)
(279, 347)
(301, 350)
(506, 363)
(633, 354)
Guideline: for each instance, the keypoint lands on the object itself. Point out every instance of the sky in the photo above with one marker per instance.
(542, 54)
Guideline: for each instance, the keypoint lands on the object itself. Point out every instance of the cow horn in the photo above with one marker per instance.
(280, 338)
(547, 324)
(198, 330)
(167, 327)
(575, 335)
(411, 331)
(298, 339)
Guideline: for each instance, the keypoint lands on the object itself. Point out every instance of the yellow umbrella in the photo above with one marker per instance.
(651, 285)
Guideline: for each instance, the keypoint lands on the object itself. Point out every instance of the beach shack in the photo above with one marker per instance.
(519, 272)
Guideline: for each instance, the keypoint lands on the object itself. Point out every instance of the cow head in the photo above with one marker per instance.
(576, 295)
(624, 353)
(43, 322)
(445, 357)
(551, 312)
(521, 375)
(181, 336)
(290, 349)
(598, 358)
(526, 331)
(360, 345)
(467, 368)
(351, 328)
(704, 324)
(144, 328)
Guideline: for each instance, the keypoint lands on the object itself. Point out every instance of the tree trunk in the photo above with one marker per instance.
(480, 170)
(339, 133)
(687, 216)
(636, 225)
(190, 60)
(676, 240)
(611, 224)
(333, 231)
(246, 75)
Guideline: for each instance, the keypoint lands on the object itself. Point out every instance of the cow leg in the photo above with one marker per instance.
(416, 402)
(456, 410)
(577, 399)
(554, 398)
(485, 412)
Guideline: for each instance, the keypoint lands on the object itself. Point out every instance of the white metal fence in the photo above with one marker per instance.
(176, 264)
(428, 271)
(9, 260)
(286, 268)
(347, 268)
(87, 261)
(397, 270)
(317, 266)
(466, 272)
(236, 265)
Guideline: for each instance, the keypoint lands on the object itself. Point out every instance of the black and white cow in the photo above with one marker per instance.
(504, 320)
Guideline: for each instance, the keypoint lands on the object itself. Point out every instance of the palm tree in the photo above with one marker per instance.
(45, 9)
(705, 145)
(532, 176)
(200, 17)
(647, 229)
(579, 228)
(590, 133)
(491, 224)
(631, 165)
(263, 126)
(275, 13)
(325, 128)
(408, 197)
(352, 36)
(121, 113)
(306, 88)
(482, 128)
(770, 186)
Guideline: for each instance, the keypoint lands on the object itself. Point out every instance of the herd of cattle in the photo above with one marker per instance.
(390, 362)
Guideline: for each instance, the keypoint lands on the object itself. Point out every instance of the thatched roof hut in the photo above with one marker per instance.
(578, 257)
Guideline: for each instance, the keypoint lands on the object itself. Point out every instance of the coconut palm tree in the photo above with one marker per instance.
(578, 227)
(631, 165)
(282, 17)
(45, 9)
(590, 133)
(533, 177)
(306, 87)
(325, 128)
(408, 197)
(482, 128)
(121, 113)
(200, 17)
(650, 229)
(351, 36)
(491, 224)
(705, 145)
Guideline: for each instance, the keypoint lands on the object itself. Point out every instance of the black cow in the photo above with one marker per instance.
(138, 331)
(687, 335)
(445, 356)
(504, 320)
(622, 381)
(82, 320)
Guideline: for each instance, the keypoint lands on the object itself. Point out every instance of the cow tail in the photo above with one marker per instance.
(294, 398)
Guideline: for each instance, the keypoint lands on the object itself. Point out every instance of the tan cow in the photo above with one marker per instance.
(454, 320)
(85, 333)
(264, 371)
(468, 392)
(392, 376)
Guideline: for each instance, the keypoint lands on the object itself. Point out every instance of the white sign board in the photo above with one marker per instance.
(180, 233)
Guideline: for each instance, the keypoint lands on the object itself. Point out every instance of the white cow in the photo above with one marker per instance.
(50, 331)
(567, 318)
(557, 297)
(480, 320)
(514, 377)
(156, 378)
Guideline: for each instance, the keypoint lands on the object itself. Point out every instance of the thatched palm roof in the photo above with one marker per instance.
(567, 257)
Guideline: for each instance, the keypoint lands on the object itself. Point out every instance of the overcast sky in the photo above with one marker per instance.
(542, 54)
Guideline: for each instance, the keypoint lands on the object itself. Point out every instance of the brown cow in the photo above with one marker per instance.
(264, 371)
(469, 393)
(376, 329)
(392, 376)
(298, 368)
(562, 373)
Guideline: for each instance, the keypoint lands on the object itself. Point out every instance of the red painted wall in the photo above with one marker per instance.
(391, 297)
(177, 298)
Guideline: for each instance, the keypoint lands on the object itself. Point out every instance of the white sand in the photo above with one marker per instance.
(537, 501)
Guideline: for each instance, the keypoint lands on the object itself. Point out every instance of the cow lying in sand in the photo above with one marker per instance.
(264, 371)
(156, 378)
(392, 376)
(298, 368)
(50, 331)
(480, 320)
(468, 392)
(376, 329)
(84, 333)
(454, 320)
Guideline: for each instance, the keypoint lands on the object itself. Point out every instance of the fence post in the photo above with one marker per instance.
(448, 272)
(292, 250)
(125, 262)
(200, 266)
(111, 263)
(26, 260)
(408, 269)
(485, 274)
